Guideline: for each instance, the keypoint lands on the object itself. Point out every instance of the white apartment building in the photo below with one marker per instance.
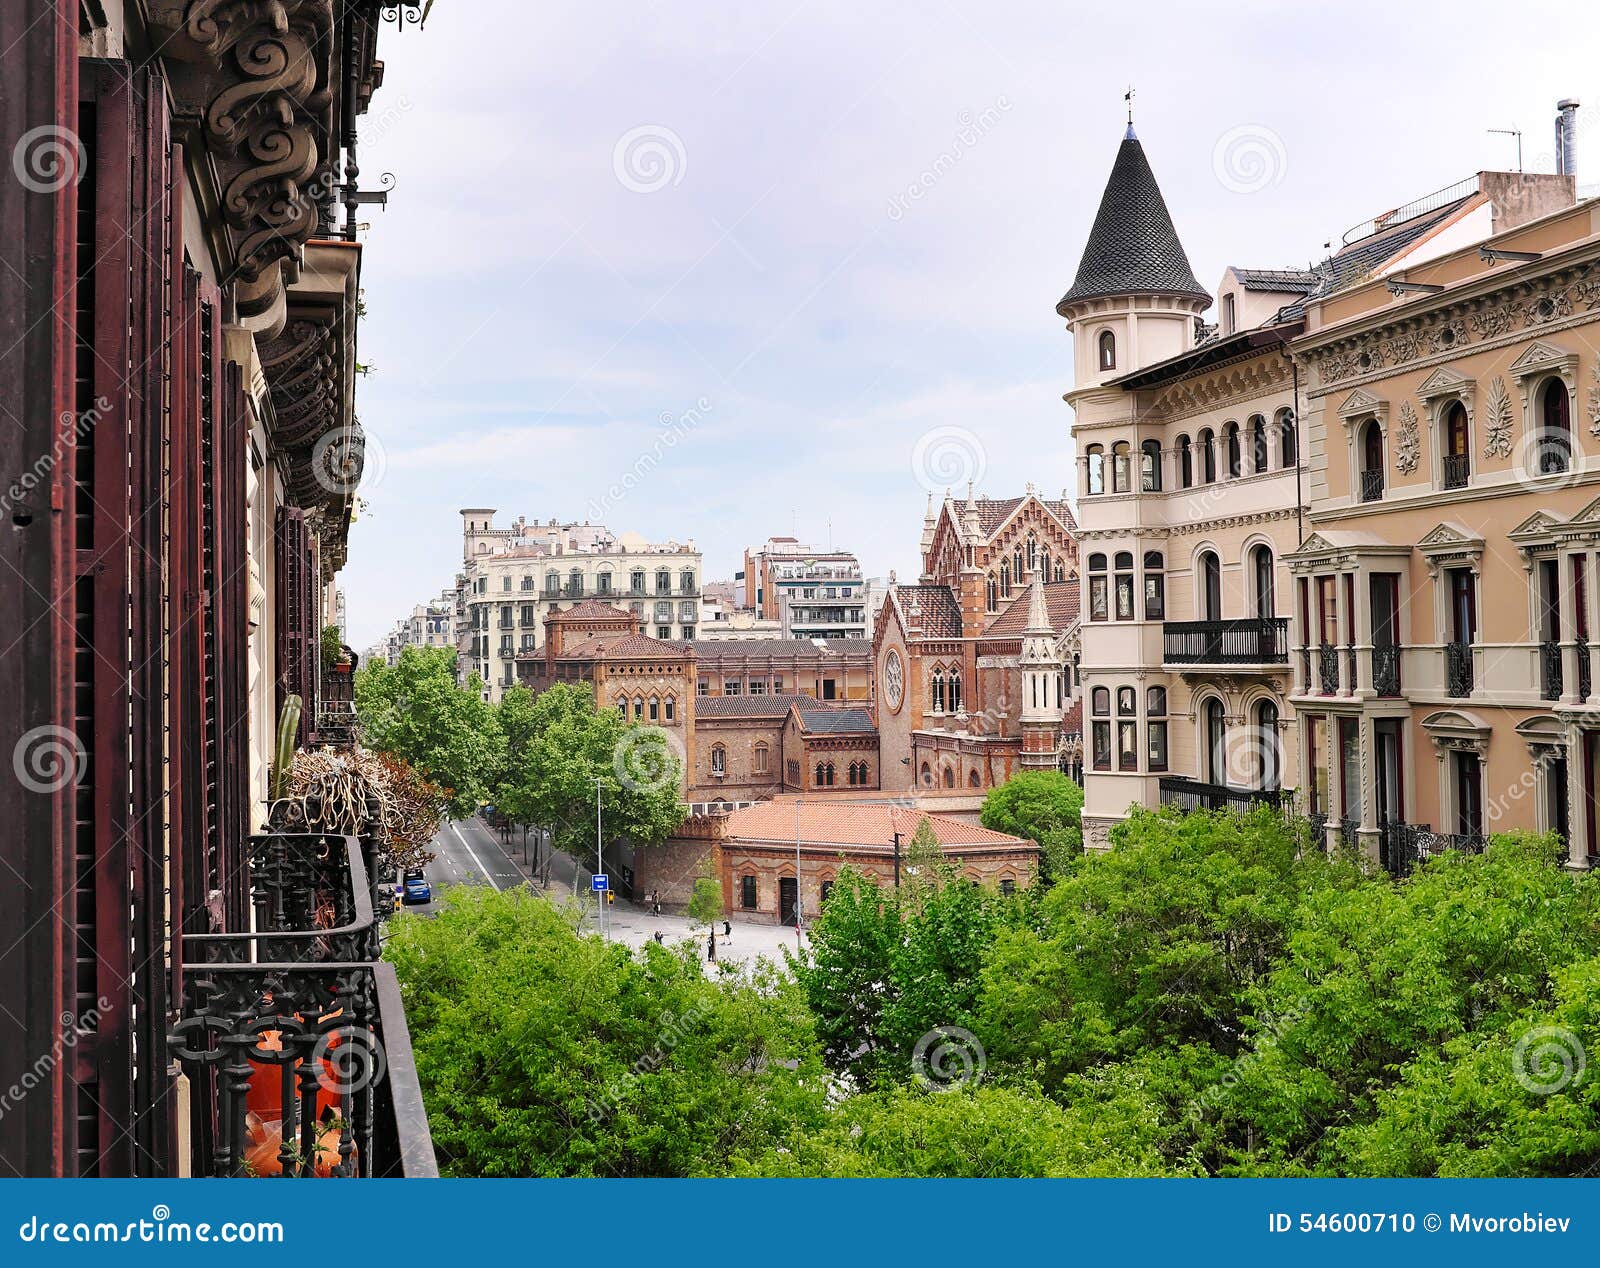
(811, 592)
(513, 578)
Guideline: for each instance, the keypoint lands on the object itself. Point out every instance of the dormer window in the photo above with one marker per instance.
(1107, 345)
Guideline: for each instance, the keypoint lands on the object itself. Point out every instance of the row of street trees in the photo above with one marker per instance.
(538, 760)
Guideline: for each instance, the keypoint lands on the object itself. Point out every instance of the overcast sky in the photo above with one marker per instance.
(672, 252)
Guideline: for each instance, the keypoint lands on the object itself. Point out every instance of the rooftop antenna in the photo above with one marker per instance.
(1516, 132)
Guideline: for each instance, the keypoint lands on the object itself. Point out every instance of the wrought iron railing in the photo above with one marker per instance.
(1305, 669)
(1241, 641)
(1328, 669)
(1348, 829)
(1585, 667)
(1457, 470)
(1386, 669)
(1401, 846)
(1371, 486)
(1319, 830)
(292, 1034)
(1551, 678)
(1458, 669)
(1192, 794)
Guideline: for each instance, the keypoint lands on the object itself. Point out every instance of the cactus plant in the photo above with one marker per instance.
(288, 733)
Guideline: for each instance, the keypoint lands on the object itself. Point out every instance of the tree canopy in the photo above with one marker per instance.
(1042, 806)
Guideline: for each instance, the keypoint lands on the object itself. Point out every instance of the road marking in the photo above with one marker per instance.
(487, 875)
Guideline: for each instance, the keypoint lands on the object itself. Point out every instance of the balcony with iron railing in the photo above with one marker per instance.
(1457, 470)
(292, 1034)
(1401, 846)
(1371, 486)
(1386, 669)
(1193, 794)
(1552, 678)
(1458, 675)
(1328, 669)
(1241, 641)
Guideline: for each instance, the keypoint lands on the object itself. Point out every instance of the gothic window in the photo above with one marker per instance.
(1005, 578)
(719, 760)
(1121, 474)
(949, 776)
(925, 776)
(1155, 592)
(1107, 345)
(638, 708)
(622, 707)
(1033, 554)
(974, 782)
(991, 593)
(955, 691)
(669, 708)
(1094, 463)
(1150, 466)
(936, 699)
(655, 709)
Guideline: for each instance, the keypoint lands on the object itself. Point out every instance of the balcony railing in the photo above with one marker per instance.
(1457, 470)
(1458, 670)
(1551, 678)
(1386, 669)
(1243, 641)
(1192, 794)
(292, 1034)
(1401, 846)
(1585, 667)
(1371, 486)
(1328, 669)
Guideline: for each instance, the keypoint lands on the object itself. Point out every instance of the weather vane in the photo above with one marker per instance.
(1128, 97)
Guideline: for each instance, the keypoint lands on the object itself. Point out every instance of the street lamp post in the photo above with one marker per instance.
(599, 858)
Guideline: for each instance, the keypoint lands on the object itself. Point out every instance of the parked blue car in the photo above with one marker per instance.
(417, 890)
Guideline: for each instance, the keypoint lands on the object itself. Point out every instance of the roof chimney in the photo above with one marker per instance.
(1567, 138)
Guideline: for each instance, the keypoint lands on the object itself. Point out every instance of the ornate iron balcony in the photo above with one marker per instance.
(1192, 794)
(1457, 470)
(1401, 846)
(1386, 669)
(1328, 669)
(1458, 669)
(1371, 486)
(1551, 678)
(292, 1034)
(1243, 641)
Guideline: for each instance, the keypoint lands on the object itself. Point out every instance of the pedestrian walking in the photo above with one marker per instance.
(727, 930)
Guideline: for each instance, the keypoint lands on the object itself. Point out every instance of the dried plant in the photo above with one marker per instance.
(363, 793)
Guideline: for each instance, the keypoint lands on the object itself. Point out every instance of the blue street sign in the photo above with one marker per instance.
(601, 882)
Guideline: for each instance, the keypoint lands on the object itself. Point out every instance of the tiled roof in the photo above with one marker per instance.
(1133, 248)
(1302, 281)
(930, 611)
(712, 649)
(593, 609)
(1060, 600)
(1366, 254)
(855, 824)
(625, 647)
(773, 706)
(1072, 720)
(827, 721)
(993, 512)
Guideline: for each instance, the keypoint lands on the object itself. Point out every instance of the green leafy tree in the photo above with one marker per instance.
(414, 710)
(543, 1052)
(572, 747)
(705, 904)
(518, 727)
(1042, 806)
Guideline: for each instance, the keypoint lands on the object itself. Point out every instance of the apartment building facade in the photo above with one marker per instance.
(810, 592)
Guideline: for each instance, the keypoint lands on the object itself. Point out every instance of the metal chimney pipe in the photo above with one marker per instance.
(1567, 137)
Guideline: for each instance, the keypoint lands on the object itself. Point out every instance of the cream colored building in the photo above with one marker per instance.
(513, 577)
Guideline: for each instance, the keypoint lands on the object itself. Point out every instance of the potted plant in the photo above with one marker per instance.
(334, 653)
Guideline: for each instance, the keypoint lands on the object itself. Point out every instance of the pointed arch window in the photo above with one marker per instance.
(1106, 346)
(955, 691)
(655, 708)
(1033, 554)
(936, 699)
(991, 593)
(1005, 578)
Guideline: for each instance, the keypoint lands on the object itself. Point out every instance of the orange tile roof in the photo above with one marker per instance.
(593, 609)
(625, 647)
(1060, 601)
(849, 823)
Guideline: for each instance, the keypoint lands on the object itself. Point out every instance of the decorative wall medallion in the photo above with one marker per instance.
(1408, 446)
(1497, 421)
(1554, 303)
(1451, 334)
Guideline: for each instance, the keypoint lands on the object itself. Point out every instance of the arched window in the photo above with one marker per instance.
(949, 776)
(1288, 438)
(1210, 587)
(1005, 578)
(1100, 702)
(1155, 702)
(761, 754)
(1185, 462)
(1100, 727)
(1061, 571)
(1123, 578)
(622, 707)
(1017, 569)
(1208, 456)
(1155, 586)
(936, 699)
(1127, 729)
(1033, 554)
(1457, 467)
(1261, 574)
(973, 781)
(638, 708)
(1258, 444)
(1555, 428)
(655, 708)
(1269, 761)
(1099, 592)
(955, 691)
(1235, 459)
(850, 775)
(669, 708)
(1216, 740)
(1094, 463)
(1150, 466)
(1155, 708)
(719, 760)
(1121, 474)
(925, 776)
(1107, 345)
(1371, 461)
(991, 593)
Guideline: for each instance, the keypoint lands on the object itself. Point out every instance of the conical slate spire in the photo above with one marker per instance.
(1038, 613)
(1133, 248)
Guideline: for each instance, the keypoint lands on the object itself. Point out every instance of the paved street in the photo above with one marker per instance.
(469, 852)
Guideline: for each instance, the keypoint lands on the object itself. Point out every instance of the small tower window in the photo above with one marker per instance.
(1108, 350)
